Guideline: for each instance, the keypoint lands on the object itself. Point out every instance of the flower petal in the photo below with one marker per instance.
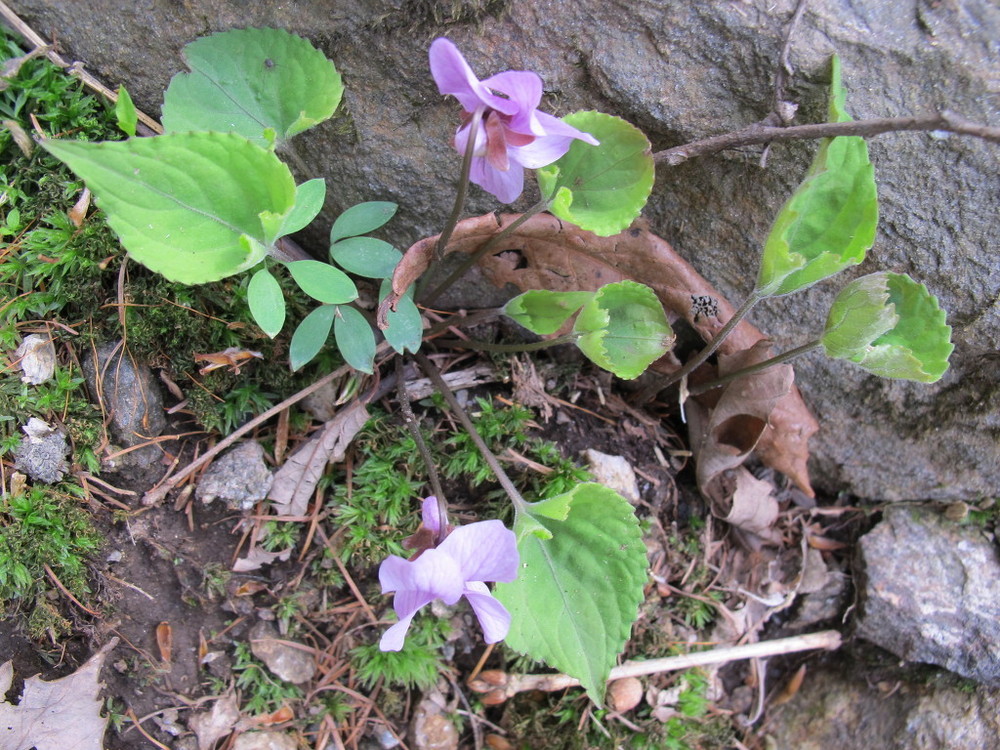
(555, 126)
(393, 638)
(454, 76)
(493, 617)
(483, 551)
(504, 186)
(430, 515)
(435, 574)
(524, 88)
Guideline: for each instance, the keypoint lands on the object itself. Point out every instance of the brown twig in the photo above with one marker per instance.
(759, 133)
(66, 591)
(500, 686)
(158, 493)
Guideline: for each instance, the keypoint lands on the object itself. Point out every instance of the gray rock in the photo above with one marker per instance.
(239, 477)
(42, 452)
(931, 593)
(128, 392)
(288, 663)
(680, 71)
(846, 711)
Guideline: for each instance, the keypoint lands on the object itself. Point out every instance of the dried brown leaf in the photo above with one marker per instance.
(78, 213)
(165, 641)
(258, 557)
(55, 715)
(723, 438)
(295, 482)
(210, 726)
(548, 254)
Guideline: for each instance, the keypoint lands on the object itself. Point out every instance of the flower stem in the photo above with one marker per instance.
(487, 246)
(777, 360)
(650, 391)
(463, 184)
(435, 376)
(488, 347)
(411, 424)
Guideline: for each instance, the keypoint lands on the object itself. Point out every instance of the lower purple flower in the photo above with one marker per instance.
(458, 566)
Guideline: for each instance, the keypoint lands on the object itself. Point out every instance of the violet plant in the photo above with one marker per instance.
(210, 198)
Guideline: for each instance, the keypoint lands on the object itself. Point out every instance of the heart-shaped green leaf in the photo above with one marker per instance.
(323, 282)
(267, 303)
(623, 329)
(366, 256)
(355, 338)
(310, 336)
(195, 207)
(829, 222)
(309, 197)
(249, 81)
(891, 326)
(362, 219)
(600, 188)
(544, 312)
(577, 592)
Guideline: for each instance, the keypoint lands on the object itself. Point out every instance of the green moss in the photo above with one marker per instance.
(44, 527)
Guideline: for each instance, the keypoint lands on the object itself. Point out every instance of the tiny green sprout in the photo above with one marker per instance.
(891, 326)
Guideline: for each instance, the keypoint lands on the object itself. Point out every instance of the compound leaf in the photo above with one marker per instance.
(311, 335)
(267, 302)
(355, 338)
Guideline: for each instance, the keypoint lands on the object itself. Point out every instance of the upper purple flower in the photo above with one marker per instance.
(457, 567)
(512, 134)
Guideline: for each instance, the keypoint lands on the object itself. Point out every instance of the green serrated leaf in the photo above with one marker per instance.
(829, 222)
(323, 282)
(309, 197)
(267, 302)
(310, 336)
(890, 325)
(355, 338)
(600, 188)
(406, 327)
(544, 312)
(623, 329)
(181, 203)
(362, 219)
(248, 80)
(366, 256)
(578, 592)
(125, 112)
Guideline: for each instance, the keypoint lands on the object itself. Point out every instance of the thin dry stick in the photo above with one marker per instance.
(434, 374)
(513, 684)
(761, 133)
(66, 591)
(75, 69)
(158, 493)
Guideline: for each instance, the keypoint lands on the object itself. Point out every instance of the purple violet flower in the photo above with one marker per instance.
(456, 567)
(511, 133)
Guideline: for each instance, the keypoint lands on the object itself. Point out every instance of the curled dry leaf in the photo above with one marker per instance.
(37, 357)
(165, 641)
(210, 726)
(723, 438)
(78, 213)
(545, 253)
(295, 482)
